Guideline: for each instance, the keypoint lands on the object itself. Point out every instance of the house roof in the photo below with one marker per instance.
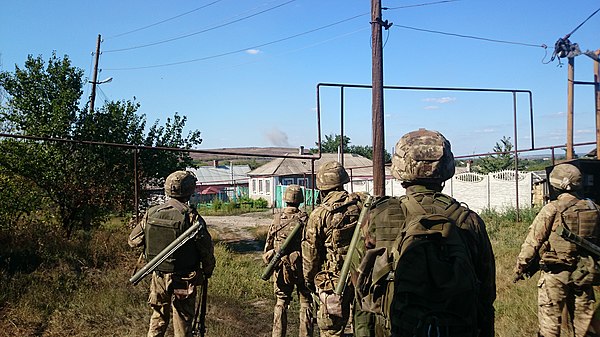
(223, 174)
(356, 165)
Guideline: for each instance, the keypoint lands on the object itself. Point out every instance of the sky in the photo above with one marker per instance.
(245, 73)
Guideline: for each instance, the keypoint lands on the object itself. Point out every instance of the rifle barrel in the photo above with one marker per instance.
(165, 253)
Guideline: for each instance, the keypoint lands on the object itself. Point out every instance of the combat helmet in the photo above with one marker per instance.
(423, 155)
(293, 194)
(180, 184)
(331, 175)
(566, 177)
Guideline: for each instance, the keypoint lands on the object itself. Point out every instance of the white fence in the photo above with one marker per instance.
(497, 190)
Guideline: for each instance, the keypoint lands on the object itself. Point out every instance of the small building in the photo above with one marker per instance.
(265, 181)
(223, 182)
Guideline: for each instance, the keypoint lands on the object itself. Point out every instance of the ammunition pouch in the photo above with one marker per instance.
(587, 272)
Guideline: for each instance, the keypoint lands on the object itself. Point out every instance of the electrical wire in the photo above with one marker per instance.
(163, 21)
(471, 37)
(201, 31)
(419, 5)
(243, 49)
(581, 24)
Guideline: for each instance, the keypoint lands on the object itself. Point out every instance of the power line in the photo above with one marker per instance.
(199, 32)
(243, 49)
(163, 21)
(418, 5)
(471, 37)
(581, 24)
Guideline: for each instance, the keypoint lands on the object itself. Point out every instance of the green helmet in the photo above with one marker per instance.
(423, 155)
(293, 194)
(331, 175)
(180, 184)
(566, 177)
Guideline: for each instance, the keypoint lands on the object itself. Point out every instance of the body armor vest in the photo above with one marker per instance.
(283, 225)
(580, 216)
(165, 223)
(342, 217)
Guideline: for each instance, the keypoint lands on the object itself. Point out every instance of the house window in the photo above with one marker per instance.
(287, 181)
(303, 182)
(267, 187)
(260, 186)
(253, 186)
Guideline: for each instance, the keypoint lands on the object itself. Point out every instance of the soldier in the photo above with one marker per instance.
(558, 287)
(173, 285)
(289, 272)
(427, 291)
(327, 237)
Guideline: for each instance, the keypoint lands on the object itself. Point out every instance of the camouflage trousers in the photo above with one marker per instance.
(163, 301)
(283, 292)
(554, 296)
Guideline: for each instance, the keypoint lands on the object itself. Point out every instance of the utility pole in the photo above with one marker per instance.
(597, 94)
(570, 90)
(95, 75)
(377, 99)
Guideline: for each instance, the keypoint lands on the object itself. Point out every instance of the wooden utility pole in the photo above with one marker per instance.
(570, 87)
(597, 93)
(377, 100)
(95, 75)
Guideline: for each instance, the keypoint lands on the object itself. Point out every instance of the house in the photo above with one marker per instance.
(266, 180)
(223, 182)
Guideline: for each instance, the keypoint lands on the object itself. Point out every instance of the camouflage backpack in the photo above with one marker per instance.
(425, 281)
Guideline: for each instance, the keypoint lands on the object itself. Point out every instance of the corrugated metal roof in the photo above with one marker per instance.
(223, 174)
(356, 165)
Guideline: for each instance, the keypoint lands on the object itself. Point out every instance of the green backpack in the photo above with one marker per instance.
(427, 284)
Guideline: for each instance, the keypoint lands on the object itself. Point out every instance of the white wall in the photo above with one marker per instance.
(495, 190)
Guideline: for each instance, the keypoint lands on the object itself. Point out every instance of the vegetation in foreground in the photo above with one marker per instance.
(50, 286)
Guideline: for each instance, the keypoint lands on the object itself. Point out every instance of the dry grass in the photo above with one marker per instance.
(53, 287)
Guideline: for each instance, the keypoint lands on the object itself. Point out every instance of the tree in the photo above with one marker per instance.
(502, 160)
(332, 143)
(86, 182)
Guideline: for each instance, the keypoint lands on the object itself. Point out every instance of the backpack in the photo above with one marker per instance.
(164, 224)
(426, 280)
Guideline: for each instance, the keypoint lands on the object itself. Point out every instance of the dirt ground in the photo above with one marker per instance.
(242, 230)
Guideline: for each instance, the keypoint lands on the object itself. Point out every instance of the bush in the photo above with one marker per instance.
(260, 203)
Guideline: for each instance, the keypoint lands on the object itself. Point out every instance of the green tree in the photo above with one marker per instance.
(502, 160)
(332, 143)
(86, 182)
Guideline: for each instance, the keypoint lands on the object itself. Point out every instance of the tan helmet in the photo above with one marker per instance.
(180, 184)
(331, 175)
(293, 194)
(423, 155)
(566, 177)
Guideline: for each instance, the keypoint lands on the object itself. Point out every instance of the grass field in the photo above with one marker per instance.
(53, 287)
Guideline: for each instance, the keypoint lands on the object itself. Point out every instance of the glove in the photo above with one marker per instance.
(268, 255)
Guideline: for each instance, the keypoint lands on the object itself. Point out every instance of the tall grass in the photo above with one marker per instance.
(53, 287)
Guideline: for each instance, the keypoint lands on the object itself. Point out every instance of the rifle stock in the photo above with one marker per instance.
(281, 252)
(341, 286)
(165, 253)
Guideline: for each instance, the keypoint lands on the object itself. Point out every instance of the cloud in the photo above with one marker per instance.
(253, 51)
(440, 100)
(584, 131)
(558, 114)
(431, 107)
(277, 137)
(486, 130)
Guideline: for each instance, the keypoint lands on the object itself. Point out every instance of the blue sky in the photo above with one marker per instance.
(249, 69)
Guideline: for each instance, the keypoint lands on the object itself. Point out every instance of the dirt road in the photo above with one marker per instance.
(246, 230)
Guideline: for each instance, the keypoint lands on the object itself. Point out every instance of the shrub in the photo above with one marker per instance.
(260, 203)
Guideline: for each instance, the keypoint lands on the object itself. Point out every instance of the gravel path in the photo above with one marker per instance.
(240, 229)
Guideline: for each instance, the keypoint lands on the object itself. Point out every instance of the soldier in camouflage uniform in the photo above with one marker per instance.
(327, 237)
(423, 161)
(289, 272)
(557, 288)
(173, 285)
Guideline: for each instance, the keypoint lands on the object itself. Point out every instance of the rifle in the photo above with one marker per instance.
(341, 286)
(199, 323)
(588, 246)
(281, 252)
(165, 253)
